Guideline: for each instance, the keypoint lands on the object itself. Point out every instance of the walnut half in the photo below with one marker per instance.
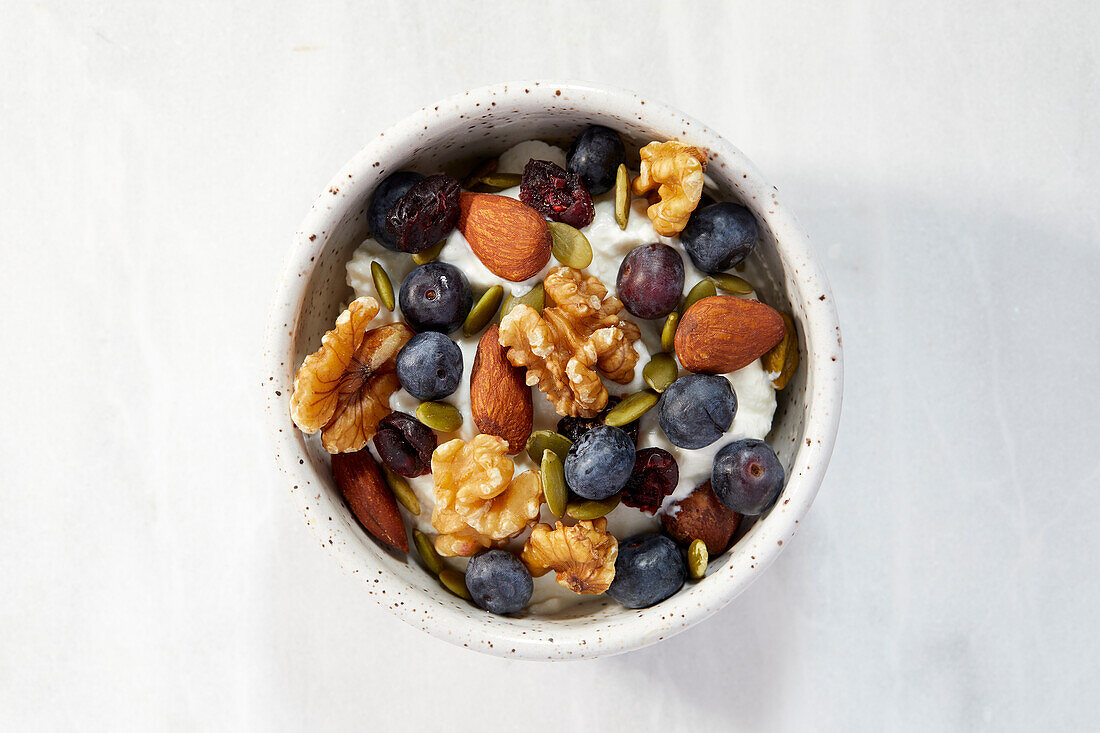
(343, 389)
(477, 501)
(582, 555)
(675, 170)
(579, 332)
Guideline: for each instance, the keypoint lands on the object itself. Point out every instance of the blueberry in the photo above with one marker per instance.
(429, 366)
(435, 297)
(697, 409)
(600, 463)
(595, 156)
(648, 570)
(651, 280)
(719, 236)
(747, 476)
(385, 196)
(499, 582)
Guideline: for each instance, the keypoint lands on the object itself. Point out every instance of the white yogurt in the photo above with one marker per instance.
(752, 385)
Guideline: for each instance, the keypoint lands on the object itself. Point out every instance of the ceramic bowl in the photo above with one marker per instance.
(445, 136)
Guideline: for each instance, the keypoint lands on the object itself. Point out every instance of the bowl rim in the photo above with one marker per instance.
(579, 637)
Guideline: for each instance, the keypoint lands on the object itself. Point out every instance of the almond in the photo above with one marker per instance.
(369, 497)
(500, 399)
(724, 333)
(704, 517)
(509, 237)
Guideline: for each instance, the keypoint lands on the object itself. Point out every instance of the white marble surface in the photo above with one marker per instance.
(155, 162)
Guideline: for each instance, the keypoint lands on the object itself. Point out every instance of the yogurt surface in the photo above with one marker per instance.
(755, 394)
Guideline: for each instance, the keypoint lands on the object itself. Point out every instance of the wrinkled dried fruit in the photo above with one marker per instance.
(427, 553)
(592, 508)
(583, 556)
(556, 194)
(654, 477)
(574, 427)
(405, 444)
(569, 246)
(483, 311)
(675, 170)
(359, 480)
(702, 515)
(343, 389)
(401, 490)
(382, 285)
(425, 214)
(782, 361)
(698, 557)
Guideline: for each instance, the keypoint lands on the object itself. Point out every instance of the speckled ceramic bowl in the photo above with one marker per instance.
(485, 122)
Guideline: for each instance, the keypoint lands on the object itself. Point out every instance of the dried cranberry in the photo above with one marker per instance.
(655, 476)
(574, 427)
(425, 214)
(547, 188)
(405, 444)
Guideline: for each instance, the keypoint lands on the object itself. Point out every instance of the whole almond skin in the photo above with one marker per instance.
(724, 333)
(509, 237)
(703, 516)
(500, 399)
(371, 501)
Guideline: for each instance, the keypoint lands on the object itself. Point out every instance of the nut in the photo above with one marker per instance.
(781, 362)
(343, 389)
(675, 170)
(701, 515)
(500, 399)
(564, 345)
(582, 555)
(724, 333)
(371, 501)
(477, 502)
(509, 237)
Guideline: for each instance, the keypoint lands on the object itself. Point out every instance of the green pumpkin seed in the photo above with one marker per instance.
(455, 581)
(668, 333)
(698, 557)
(429, 254)
(660, 372)
(569, 245)
(426, 550)
(622, 197)
(401, 491)
(483, 311)
(535, 297)
(483, 168)
(543, 440)
(591, 509)
(500, 180)
(382, 285)
(732, 283)
(631, 408)
(702, 289)
(439, 416)
(553, 483)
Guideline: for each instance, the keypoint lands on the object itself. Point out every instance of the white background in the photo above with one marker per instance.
(154, 163)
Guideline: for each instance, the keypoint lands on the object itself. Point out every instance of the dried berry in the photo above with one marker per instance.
(655, 476)
(405, 444)
(574, 427)
(425, 214)
(556, 194)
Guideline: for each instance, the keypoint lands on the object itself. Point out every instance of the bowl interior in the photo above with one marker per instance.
(449, 137)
